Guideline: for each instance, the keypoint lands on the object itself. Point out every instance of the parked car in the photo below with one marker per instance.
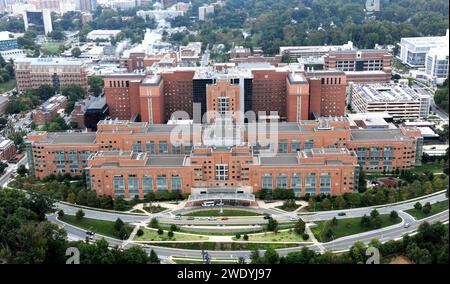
(177, 217)
(293, 218)
(211, 218)
(224, 218)
(342, 214)
(190, 218)
(267, 216)
(407, 225)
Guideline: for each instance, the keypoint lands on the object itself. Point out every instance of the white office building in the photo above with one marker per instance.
(398, 100)
(413, 50)
(102, 34)
(437, 65)
(203, 11)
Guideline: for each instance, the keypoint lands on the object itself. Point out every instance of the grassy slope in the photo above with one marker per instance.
(105, 228)
(348, 226)
(435, 208)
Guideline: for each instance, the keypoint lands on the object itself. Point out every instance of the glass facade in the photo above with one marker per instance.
(163, 147)
(309, 144)
(282, 181)
(119, 186)
(176, 183)
(310, 183)
(267, 181)
(137, 146)
(161, 183)
(147, 184)
(150, 147)
(133, 186)
(325, 183)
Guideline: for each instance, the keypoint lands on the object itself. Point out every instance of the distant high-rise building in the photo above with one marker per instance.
(40, 21)
(203, 11)
(86, 5)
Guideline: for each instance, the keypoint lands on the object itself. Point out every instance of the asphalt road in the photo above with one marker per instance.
(384, 234)
(5, 178)
(359, 212)
(102, 215)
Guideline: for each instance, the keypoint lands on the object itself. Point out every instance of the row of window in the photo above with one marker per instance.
(146, 184)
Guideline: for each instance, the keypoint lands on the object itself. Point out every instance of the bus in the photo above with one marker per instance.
(208, 204)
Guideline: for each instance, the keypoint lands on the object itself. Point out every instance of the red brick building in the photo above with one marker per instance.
(134, 158)
(362, 66)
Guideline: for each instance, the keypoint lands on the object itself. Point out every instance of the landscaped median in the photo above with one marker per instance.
(434, 208)
(284, 236)
(225, 212)
(330, 230)
(183, 260)
(105, 228)
(223, 246)
(152, 235)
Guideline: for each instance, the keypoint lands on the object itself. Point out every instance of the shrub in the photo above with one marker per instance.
(139, 232)
(393, 215)
(305, 236)
(418, 206)
(238, 236)
(170, 234)
(300, 227)
(160, 231)
(79, 215)
(61, 213)
(154, 223)
(426, 209)
(245, 237)
(173, 227)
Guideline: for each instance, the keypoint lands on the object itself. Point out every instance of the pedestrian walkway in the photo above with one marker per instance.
(313, 238)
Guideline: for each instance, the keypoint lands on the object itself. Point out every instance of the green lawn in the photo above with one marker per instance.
(226, 212)
(51, 47)
(283, 236)
(102, 227)
(225, 246)
(152, 235)
(435, 208)
(348, 226)
(8, 86)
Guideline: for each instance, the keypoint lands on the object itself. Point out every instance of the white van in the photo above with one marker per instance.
(208, 204)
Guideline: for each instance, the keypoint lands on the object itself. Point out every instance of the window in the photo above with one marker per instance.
(309, 144)
(150, 147)
(176, 183)
(296, 184)
(137, 146)
(325, 183)
(176, 148)
(267, 182)
(147, 184)
(223, 105)
(283, 146)
(119, 186)
(221, 172)
(161, 183)
(295, 146)
(133, 186)
(310, 183)
(282, 181)
(187, 148)
(163, 148)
